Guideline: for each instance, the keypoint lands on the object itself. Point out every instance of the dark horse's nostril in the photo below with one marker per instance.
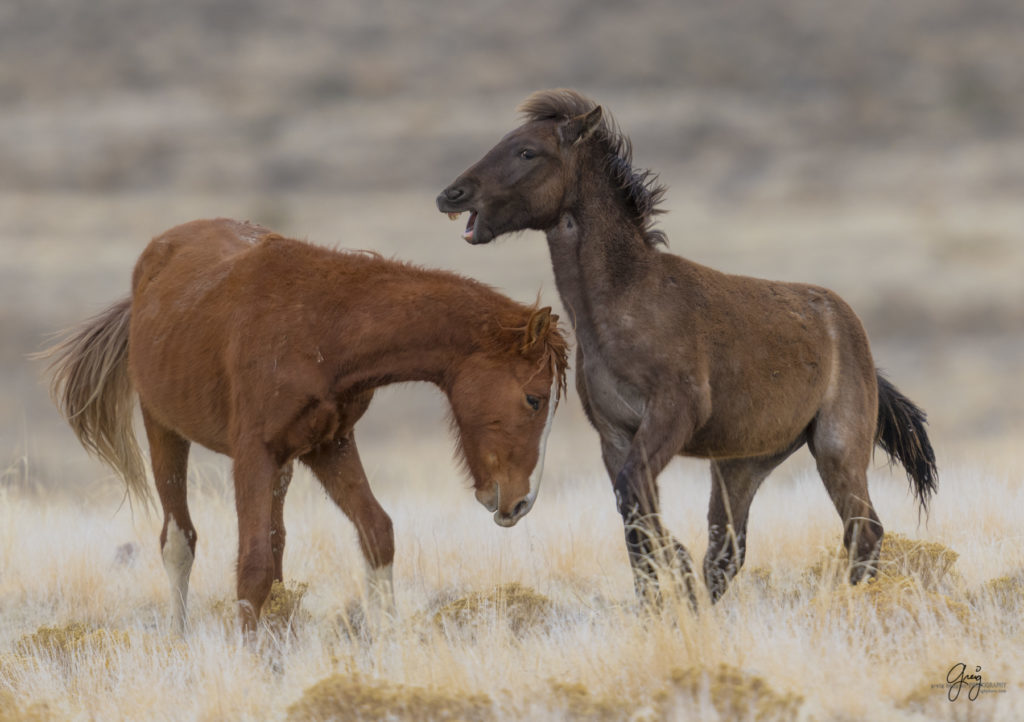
(520, 509)
(454, 194)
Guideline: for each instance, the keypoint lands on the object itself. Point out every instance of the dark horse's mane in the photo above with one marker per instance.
(641, 192)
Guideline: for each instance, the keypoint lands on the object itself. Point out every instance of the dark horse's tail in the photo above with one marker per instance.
(92, 389)
(901, 434)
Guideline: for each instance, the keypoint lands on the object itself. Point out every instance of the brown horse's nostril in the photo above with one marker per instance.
(454, 193)
(518, 512)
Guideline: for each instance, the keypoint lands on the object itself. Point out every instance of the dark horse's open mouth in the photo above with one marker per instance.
(470, 224)
(455, 201)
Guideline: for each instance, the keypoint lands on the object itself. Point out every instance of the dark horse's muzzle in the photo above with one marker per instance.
(456, 200)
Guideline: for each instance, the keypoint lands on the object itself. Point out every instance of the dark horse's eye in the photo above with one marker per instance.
(533, 401)
(527, 154)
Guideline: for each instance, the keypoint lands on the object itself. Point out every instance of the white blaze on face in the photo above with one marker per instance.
(178, 558)
(538, 470)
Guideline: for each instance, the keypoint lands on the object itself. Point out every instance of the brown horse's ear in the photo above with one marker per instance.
(578, 128)
(537, 327)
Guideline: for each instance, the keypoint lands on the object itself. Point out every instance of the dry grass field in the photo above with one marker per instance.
(536, 622)
(874, 149)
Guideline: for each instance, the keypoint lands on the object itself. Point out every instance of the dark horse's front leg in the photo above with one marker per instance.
(634, 468)
(648, 542)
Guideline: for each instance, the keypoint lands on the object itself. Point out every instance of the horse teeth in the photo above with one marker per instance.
(454, 216)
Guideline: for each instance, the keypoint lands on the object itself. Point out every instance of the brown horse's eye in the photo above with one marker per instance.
(527, 154)
(533, 401)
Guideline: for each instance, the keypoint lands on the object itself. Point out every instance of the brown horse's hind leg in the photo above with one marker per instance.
(842, 458)
(277, 532)
(169, 454)
(734, 482)
(339, 469)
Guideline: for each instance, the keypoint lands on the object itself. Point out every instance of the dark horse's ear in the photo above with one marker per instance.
(578, 128)
(537, 327)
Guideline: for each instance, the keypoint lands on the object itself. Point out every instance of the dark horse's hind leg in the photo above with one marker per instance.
(733, 485)
(842, 460)
(169, 455)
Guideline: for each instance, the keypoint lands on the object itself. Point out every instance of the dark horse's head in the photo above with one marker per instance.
(532, 176)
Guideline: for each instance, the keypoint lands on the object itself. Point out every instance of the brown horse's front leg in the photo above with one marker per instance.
(339, 469)
(663, 432)
(256, 475)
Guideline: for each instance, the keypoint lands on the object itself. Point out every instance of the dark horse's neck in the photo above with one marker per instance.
(597, 251)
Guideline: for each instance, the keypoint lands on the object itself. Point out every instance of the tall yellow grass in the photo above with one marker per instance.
(536, 622)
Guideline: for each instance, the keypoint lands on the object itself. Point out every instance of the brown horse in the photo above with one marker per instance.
(268, 350)
(676, 358)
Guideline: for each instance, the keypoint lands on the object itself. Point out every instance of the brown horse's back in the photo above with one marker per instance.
(181, 334)
(197, 245)
(231, 321)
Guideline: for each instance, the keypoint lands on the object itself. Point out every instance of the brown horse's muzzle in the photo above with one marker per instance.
(518, 511)
(491, 500)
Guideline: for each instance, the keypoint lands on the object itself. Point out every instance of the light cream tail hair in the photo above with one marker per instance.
(92, 389)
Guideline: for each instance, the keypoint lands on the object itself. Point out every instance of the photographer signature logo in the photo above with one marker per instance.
(968, 681)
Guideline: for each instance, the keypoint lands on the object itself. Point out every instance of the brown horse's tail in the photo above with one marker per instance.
(902, 436)
(92, 389)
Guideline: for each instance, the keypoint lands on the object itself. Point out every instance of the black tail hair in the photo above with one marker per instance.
(902, 436)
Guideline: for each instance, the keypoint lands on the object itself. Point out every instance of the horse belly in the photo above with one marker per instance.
(759, 419)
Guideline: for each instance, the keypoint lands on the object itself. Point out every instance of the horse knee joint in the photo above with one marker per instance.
(628, 505)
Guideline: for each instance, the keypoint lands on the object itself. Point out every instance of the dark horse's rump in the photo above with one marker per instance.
(677, 358)
(268, 349)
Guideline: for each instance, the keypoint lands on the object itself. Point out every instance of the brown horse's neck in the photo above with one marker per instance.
(418, 335)
(597, 250)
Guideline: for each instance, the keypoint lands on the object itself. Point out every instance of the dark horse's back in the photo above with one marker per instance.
(795, 347)
(773, 353)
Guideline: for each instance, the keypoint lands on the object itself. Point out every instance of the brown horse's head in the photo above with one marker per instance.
(503, 399)
(532, 176)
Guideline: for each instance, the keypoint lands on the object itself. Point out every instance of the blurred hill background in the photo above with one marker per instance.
(876, 148)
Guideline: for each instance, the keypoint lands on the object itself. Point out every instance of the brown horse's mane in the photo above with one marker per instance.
(556, 349)
(641, 191)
